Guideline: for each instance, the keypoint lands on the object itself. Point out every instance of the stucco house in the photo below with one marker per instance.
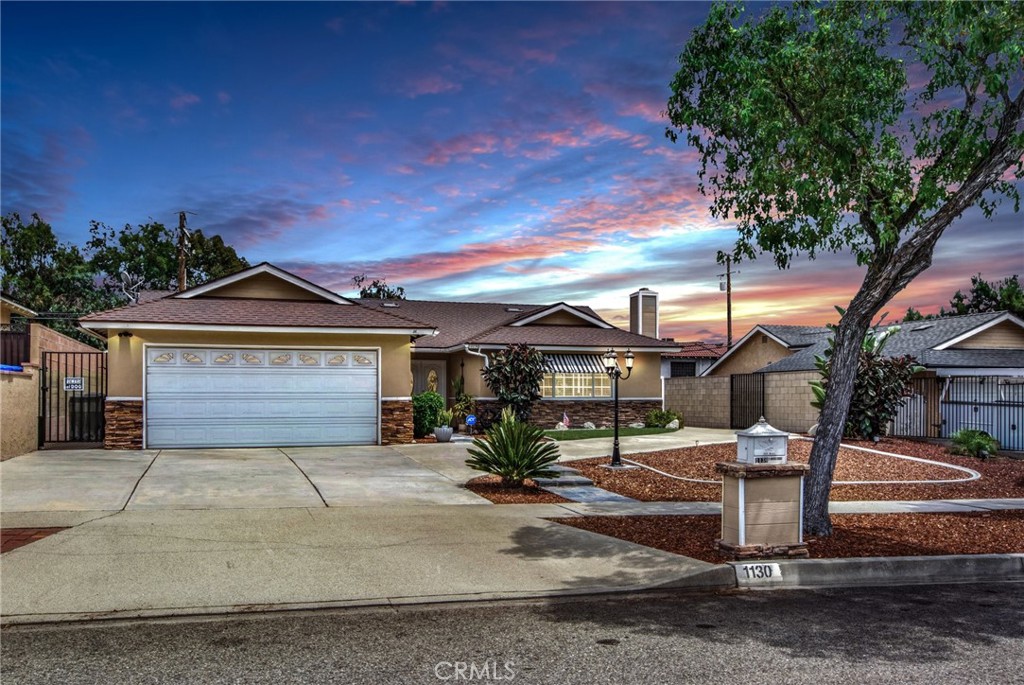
(264, 357)
(692, 359)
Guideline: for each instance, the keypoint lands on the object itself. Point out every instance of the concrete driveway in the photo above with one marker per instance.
(268, 478)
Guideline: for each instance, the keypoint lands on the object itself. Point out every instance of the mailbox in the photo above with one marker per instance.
(762, 444)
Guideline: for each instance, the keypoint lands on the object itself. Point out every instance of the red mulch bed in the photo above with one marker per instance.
(490, 487)
(13, 538)
(854, 535)
(1000, 477)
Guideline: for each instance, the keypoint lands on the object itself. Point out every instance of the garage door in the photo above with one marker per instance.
(198, 397)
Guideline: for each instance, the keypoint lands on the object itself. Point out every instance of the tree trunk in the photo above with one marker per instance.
(845, 357)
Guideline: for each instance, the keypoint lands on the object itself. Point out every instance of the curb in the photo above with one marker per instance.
(878, 571)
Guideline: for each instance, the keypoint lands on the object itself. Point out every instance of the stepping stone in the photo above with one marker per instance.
(584, 493)
(568, 477)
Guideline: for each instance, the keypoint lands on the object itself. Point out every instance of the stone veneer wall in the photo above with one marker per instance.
(124, 425)
(396, 426)
(547, 413)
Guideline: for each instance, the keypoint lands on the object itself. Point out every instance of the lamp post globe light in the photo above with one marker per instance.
(610, 359)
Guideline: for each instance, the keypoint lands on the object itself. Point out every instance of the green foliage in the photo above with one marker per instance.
(463, 404)
(149, 252)
(426, 407)
(378, 289)
(444, 417)
(998, 296)
(514, 376)
(974, 443)
(659, 418)
(514, 450)
(879, 388)
(813, 137)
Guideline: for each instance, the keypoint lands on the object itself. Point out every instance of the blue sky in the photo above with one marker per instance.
(471, 151)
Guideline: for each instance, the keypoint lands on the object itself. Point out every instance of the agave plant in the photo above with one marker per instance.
(513, 450)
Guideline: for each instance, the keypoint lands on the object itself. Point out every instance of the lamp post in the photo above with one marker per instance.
(611, 366)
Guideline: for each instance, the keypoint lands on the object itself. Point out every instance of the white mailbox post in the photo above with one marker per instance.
(762, 497)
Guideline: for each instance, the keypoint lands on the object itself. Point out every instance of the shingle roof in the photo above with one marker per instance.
(253, 312)
(918, 338)
(489, 323)
(797, 336)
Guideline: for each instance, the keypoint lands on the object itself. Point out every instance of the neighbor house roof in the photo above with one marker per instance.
(923, 340)
(697, 350)
(16, 307)
(495, 325)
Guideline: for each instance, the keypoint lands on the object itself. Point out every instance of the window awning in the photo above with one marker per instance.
(573, 363)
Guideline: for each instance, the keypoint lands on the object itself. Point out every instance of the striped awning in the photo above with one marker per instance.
(573, 363)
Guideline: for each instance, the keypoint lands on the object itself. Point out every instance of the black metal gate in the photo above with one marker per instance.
(746, 399)
(72, 391)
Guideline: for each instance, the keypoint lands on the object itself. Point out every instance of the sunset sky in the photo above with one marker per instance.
(466, 151)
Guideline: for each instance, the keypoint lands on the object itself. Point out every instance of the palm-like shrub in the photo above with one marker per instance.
(974, 443)
(514, 450)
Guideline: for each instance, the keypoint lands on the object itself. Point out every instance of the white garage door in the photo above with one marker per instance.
(198, 397)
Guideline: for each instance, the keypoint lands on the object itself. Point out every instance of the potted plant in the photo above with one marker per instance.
(443, 431)
(463, 404)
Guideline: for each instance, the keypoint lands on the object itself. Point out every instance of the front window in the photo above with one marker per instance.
(575, 385)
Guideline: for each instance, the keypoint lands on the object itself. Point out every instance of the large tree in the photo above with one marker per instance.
(855, 126)
(149, 253)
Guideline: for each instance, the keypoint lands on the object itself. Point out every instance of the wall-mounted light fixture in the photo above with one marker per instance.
(124, 334)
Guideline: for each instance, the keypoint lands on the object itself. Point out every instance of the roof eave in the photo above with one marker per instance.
(236, 328)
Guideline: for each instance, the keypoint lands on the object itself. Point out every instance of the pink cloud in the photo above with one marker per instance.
(223, 97)
(461, 148)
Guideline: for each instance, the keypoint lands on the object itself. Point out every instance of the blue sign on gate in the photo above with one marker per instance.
(471, 420)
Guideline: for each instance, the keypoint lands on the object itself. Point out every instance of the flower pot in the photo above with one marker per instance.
(443, 433)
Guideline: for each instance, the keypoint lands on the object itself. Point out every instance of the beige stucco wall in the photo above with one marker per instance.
(1005, 335)
(759, 351)
(787, 400)
(264, 286)
(702, 402)
(126, 368)
(19, 407)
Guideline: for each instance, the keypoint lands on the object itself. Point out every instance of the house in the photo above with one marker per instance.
(973, 378)
(991, 343)
(693, 359)
(264, 357)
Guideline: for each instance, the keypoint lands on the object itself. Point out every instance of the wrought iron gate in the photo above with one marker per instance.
(746, 399)
(72, 391)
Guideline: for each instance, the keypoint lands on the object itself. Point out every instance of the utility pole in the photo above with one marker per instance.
(182, 250)
(727, 287)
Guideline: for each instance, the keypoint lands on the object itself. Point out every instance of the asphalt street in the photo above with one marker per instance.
(926, 634)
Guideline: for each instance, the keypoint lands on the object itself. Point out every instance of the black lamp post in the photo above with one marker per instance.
(611, 366)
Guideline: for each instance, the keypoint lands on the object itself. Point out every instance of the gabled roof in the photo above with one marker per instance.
(576, 312)
(210, 287)
(17, 308)
(493, 325)
(929, 341)
(200, 308)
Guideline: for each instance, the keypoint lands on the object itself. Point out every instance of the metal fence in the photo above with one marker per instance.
(72, 390)
(746, 399)
(939, 407)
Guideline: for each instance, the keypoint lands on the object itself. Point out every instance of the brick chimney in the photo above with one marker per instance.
(643, 312)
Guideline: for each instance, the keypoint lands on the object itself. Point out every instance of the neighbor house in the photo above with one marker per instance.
(973, 378)
(692, 359)
(264, 357)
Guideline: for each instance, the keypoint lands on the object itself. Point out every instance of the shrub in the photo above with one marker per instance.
(425, 408)
(659, 418)
(463, 404)
(514, 450)
(514, 376)
(879, 388)
(974, 443)
(444, 417)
